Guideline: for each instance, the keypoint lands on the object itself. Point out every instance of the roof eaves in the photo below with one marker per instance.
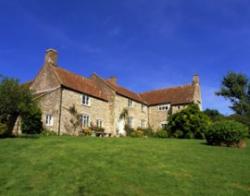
(79, 91)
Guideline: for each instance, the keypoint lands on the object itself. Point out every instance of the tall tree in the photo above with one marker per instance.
(15, 100)
(236, 88)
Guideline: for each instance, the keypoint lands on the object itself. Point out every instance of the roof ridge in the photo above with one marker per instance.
(168, 88)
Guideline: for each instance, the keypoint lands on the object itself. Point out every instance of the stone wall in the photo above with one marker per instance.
(98, 109)
(156, 117)
(135, 111)
(177, 108)
(50, 104)
(45, 80)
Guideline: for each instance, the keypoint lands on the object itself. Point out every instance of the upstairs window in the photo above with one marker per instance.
(130, 103)
(85, 120)
(49, 120)
(85, 100)
(99, 123)
(164, 107)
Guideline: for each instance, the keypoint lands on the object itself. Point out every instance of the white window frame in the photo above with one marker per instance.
(99, 123)
(85, 100)
(164, 107)
(83, 118)
(130, 103)
(49, 120)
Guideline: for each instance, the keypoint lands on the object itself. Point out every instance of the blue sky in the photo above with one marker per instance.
(147, 44)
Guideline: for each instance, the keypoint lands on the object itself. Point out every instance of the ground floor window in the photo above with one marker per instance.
(164, 124)
(49, 120)
(99, 123)
(85, 120)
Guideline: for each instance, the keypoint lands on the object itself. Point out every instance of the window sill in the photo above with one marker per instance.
(86, 105)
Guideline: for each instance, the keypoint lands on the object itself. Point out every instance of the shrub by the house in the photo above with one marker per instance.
(86, 132)
(188, 123)
(31, 119)
(128, 129)
(47, 132)
(161, 133)
(226, 133)
(137, 133)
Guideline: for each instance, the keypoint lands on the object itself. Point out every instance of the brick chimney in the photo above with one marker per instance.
(196, 80)
(51, 57)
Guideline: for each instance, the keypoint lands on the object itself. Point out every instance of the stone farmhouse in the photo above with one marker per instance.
(101, 101)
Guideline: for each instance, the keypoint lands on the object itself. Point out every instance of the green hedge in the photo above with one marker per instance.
(226, 133)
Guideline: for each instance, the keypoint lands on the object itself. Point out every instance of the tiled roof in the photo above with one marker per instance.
(176, 95)
(125, 92)
(78, 83)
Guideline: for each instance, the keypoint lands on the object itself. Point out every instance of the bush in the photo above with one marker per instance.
(137, 133)
(188, 123)
(31, 119)
(226, 133)
(244, 119)
(17, 100)
(146, 131)
(86, 132)
(129, 130)
(47, 132)
(162, 133)
(3, 129)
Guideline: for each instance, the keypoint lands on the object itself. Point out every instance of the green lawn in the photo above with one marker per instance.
(121, 166)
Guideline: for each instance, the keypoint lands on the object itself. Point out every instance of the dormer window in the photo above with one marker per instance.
(85, 100)
(164, 107)
(130, 103)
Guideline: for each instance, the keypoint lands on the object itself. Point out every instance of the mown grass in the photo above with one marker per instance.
(124, 166)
